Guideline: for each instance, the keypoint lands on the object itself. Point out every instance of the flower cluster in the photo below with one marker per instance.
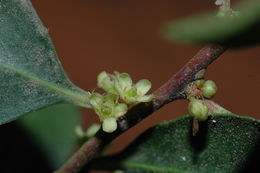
(197, 108)
(122, 85)
(119, 93)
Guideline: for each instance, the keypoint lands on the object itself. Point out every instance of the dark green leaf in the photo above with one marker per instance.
(30, 72)
(53, 131)
(207, 28)
(224, 144)
(19, 153)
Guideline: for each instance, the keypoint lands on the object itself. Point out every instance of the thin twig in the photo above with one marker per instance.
(173, 89)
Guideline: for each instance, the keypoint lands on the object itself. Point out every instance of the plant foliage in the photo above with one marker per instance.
(30, 72)
(224, 144)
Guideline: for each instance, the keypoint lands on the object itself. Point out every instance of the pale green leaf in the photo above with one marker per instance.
(30, 72)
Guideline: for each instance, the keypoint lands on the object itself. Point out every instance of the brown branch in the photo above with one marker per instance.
(173, 89)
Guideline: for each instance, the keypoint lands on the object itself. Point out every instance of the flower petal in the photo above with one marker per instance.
(92, 130)
(111, 99)
(96, 100)
(105, 81)
(124, 80)
(146, 98)
(120, 110)
(143, 86)
(131, 100)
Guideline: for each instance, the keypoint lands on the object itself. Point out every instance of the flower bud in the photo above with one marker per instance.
(132, 93)
(209, 89)
(92, 130)
(199, 83)
(79, 131)
(198, 109)
(109, 125)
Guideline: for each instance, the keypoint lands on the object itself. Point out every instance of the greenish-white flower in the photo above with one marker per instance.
(106, 82)
(118, 86)
(108, 108)
(107, 105)
(132, 93)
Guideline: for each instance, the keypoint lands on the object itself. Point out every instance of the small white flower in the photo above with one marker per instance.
(106, 82)
(132, 93)
(118, 86)
(107, 105)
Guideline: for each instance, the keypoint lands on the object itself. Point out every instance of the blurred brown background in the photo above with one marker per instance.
(124, 35)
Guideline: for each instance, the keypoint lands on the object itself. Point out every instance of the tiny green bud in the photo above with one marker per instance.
(79, 131)
(198, 109)
(199, 83)
(109, 125)
(209, 89)
(92, 130)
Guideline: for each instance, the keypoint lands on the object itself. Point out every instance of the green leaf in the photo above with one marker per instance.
(30, 72)
(53, 131)
(224, 144)
(207, 28)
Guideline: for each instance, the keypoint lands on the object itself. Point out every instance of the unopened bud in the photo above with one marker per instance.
(92, 130)
(198, 109)
(109, 125)
(209, 89)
